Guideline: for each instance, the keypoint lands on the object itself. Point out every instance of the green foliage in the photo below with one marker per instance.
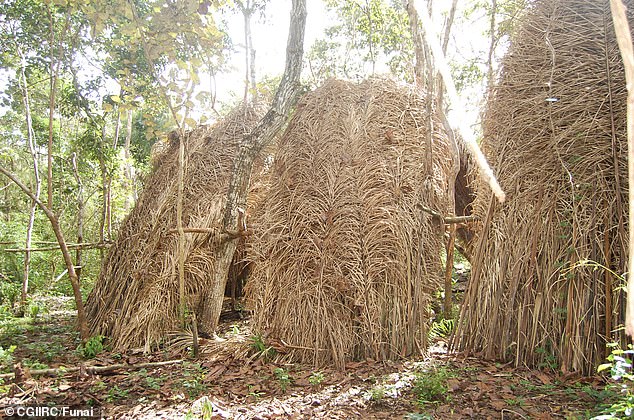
(377, 394)
(34, 364)
(34, 309)
(548, 359)
(620, 367)
(419, 416)
(283, 378)
(431, 386)
(93, 347)
(255, 395)
(47, 351)
(366, 35)
(316, 378)
(115, 394)
(9, 293)
(260, 348)
(193, 381)
(442, 328)
(6, 358)
(150, 382)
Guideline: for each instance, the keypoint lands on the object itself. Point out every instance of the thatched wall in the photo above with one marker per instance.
(135, 299)
(346, 261)
(555, 132)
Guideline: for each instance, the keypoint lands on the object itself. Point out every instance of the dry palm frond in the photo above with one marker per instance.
(135, 299)
(555, 131)
(345, 260)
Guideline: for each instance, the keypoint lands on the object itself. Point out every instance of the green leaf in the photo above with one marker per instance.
(604, 366)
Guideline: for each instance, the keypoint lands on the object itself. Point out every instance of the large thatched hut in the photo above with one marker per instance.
(135, 300)
(544, 284)
(346, 259)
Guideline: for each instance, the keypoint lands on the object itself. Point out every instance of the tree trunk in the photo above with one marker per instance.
(54, 75)
(368, 12)
(245, 8)
(36, 173)
(130, 197)
(74, 280)
(624, 39)
(492, 44)
(253, 143)
(419, 51)
(445, 42)
(80, 217)
(103, 223)
(455, 120)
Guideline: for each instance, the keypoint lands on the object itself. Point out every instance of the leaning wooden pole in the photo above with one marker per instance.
(253, 143)
(457, 123)
(624, 39)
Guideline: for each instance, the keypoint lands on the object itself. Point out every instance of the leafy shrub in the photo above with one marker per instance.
(6, 358)
(620, 366)
(283, 378)
(431, 386)
(93, 347)
(316, 378)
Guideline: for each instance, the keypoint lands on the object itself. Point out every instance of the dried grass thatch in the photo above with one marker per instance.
(346, 261)
(135, 300)
(555, 132)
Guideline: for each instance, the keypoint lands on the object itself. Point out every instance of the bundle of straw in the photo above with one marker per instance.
(135, 300)
(345, 259)
(545, 271)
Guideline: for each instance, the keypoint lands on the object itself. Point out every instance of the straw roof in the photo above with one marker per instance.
(345, 259)
(135, 299)
(555, 132)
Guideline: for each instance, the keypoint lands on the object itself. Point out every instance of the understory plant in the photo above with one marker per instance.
(620, 367)
(431, 386)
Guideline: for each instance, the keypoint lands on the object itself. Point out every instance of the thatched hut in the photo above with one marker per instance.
(543, 292)
(346, 261)
(135, 300)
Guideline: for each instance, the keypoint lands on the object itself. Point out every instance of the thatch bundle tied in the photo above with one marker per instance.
(346, 261)
(136, 298)
(542, 290)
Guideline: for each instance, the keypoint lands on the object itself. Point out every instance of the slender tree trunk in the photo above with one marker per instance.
(624, 39)
(53, 88)
(492, 44)
(115, 143)
(72, 274)
(54, 75)
(247, 11)
(103, 222)
(36, 173)
(445, 43)
(251, 146)
(129, 175)
(368, 11)
(80, 217)
(419, 51)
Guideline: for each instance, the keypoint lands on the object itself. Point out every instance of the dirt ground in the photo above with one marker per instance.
(242, 385)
